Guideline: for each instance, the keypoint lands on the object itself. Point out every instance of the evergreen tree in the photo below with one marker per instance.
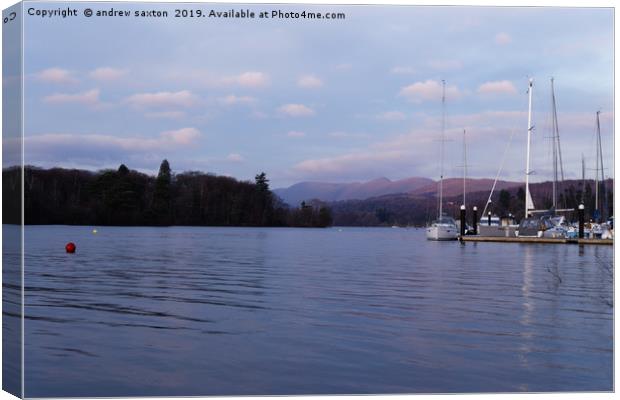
(262, 183)
(504, 200)
(162, 196)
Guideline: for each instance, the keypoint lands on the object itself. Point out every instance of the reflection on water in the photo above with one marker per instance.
(232, 311)
(11, 309)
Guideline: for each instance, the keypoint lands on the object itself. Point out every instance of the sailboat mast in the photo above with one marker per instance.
(556, 131)
(529, 139)
(600, 152)
(599, 159)
(464, 165)
(598, 139)
(583, 178)
(443, 139)
(555, 150)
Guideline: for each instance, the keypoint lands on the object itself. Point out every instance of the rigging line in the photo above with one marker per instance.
(512, 134)
(557, 149)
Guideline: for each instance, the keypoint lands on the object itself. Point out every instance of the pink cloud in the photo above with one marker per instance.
(428, 90)
(252, 79)
(309, 82)
(56, 75)
(183, 98)
(233, 100)
(90, 97)
(497, 87)
(107, 74)
(296, 110)
(182, 136)
(235, 157)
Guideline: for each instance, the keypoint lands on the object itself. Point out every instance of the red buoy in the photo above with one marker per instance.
(70, 247)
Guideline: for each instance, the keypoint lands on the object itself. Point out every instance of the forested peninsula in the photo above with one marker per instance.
(125, 197)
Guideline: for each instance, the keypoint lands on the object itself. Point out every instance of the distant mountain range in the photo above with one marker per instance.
(416, 186)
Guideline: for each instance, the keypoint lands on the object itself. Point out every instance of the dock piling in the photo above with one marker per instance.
(463, 221)
(581, 220)
(475, 224)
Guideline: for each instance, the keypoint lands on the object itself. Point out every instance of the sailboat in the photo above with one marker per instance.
(600, 229)
(549, 224)
(529, 226)
(444, 228)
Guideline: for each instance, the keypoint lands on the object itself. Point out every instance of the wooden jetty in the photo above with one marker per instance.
(503, 239)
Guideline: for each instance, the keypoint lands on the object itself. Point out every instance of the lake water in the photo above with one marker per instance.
(233, 311)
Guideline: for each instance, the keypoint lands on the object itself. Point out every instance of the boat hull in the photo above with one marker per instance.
(442, 233)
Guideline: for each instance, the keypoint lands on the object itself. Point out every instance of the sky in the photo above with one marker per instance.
(317, 100)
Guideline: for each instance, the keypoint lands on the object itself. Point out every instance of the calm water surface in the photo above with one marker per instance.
(231, 311)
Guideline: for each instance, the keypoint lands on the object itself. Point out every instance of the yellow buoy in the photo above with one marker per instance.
(94, 231)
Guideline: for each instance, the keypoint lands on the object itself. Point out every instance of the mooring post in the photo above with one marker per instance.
(463, 220)
(475, 224)
(581, 220)
(489, 218)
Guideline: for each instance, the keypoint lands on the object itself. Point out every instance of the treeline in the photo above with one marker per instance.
(407, 210)
(127, 197)
(569, 195)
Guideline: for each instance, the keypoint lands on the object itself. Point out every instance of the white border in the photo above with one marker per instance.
(594, 3)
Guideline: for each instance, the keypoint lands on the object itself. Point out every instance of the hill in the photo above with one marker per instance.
(416, 186)
(305, 191)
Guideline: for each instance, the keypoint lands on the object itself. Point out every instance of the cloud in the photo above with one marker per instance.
(361, 165)
(96, 151)
(309, 82)
(295, 134)
(182, 136)
(107, 74)
(391, 116)
(252, 79)
(204, 78)
(183, 98)
(296, 110)
(497, 87)
(428, 90)
(402, 70)
(233, 100)
(503, 38)
(56, 75)
(90, 97)
(235, 157)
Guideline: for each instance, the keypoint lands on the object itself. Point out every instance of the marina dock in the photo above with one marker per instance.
(504, 239)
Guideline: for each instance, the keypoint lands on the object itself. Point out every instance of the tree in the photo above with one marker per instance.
(504, 200)
(262, 183)
(325, 217)
(162, 204)
(521, 195)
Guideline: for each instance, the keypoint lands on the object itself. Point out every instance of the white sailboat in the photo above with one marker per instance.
(528, 226)
(444, 228)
